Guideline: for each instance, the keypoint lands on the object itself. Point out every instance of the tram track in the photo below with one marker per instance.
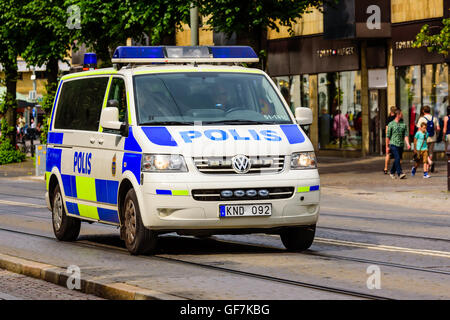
(383, 233)
(87, 243)
(118, 249)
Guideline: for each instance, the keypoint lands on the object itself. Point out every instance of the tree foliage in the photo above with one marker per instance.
(438, 42)
(230, 16)
(107, 24)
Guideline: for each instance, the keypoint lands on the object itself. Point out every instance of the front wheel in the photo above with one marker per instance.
(138, 239)
(298, 238)
(65, 228)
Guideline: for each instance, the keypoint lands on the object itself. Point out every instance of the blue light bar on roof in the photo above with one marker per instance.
(233, 52)
(184, 54)
(139, 52)
(90, 58)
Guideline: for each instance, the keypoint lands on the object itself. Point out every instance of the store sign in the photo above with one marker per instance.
(377, 78)
(404, 53)
(347, 51)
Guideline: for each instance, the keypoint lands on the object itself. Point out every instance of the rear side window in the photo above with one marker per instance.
(80, 104)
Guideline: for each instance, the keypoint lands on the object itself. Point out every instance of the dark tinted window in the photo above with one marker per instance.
(80, 104)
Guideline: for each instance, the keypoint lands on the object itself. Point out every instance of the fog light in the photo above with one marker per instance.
(226, 193)
(239, 193)
(263, 192)
(251, 193)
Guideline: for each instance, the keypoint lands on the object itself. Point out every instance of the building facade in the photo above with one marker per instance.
(358, 71)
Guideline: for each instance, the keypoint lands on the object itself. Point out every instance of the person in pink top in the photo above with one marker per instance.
(341, 126)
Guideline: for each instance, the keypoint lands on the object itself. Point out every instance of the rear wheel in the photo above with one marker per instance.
(138, 239)
(298, 238)
(65, 228)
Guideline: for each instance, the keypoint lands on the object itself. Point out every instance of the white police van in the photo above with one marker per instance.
(173, 140)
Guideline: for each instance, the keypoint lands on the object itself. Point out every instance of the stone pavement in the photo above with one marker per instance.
(364, 179)
(15, 286)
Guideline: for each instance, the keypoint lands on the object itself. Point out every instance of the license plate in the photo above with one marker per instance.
(245, 210)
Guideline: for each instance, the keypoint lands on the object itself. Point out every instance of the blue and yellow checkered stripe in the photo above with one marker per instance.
(308, 188)
(91, 189)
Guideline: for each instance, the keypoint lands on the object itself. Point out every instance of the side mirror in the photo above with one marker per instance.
(109, 118)
(303, 116)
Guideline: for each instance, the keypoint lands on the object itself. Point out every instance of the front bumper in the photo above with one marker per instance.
(178, 209)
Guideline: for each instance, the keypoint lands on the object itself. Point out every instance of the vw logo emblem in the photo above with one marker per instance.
(240, 163)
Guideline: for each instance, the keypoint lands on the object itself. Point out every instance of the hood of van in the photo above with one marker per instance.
(198, 141)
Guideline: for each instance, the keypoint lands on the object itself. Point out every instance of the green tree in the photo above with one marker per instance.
(107, 24)
(251, 19)
(434, 42)
(11, 43)
(49, 40)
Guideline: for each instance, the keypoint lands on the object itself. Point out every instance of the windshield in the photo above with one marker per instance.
(207, 97)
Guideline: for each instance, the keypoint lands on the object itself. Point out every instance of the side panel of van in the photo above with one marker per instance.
(77, 120)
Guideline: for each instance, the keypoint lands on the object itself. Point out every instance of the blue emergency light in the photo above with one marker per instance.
(183, 54)
(90, 61)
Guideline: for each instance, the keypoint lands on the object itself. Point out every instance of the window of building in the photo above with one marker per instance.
(340, 118)
(422, 85)
(80, 104)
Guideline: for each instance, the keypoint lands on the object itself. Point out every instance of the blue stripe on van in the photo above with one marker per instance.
(160, 136)
(108, 215)
(293, 133)
(55, 137)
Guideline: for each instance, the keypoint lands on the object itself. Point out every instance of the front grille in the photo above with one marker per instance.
(222, 165)
(215, 194)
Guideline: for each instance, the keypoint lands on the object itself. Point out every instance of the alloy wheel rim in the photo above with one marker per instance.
(130, 218)
(57, 211)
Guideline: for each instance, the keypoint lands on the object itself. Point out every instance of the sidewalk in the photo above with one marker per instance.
(21, 169)
(364, 179)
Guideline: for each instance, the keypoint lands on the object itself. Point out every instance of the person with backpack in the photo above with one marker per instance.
(421, 150)
(432, 128)
(396, 138)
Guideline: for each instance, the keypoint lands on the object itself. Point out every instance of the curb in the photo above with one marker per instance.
(89, 285)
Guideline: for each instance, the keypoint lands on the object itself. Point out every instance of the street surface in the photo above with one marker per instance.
(367, 222)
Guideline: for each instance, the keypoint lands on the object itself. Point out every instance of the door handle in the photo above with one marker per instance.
(100, 141)
(92, 140)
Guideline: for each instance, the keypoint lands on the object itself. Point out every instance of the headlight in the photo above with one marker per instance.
(163, 163)
(303, 160)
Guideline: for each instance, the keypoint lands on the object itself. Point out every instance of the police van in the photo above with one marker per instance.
(180, 139)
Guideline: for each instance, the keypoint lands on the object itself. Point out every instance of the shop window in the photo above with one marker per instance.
(340, 118)
(418, 86)
(435, 95)
(295, 90)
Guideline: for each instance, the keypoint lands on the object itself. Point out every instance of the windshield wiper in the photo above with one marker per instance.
(238, 121)
(167, 123)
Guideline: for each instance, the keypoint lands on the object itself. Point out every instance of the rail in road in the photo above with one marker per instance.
(329, 241)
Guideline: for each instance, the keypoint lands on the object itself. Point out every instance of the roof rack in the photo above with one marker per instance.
(184, 54)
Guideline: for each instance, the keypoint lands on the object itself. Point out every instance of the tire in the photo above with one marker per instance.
(138, 239)
(298, 238)
(65, 228)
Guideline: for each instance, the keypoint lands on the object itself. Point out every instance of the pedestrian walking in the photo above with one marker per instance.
(341, 127)
(396, 138)
(432, 129)
(389, 154)
(421, 151)
(446, 130)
